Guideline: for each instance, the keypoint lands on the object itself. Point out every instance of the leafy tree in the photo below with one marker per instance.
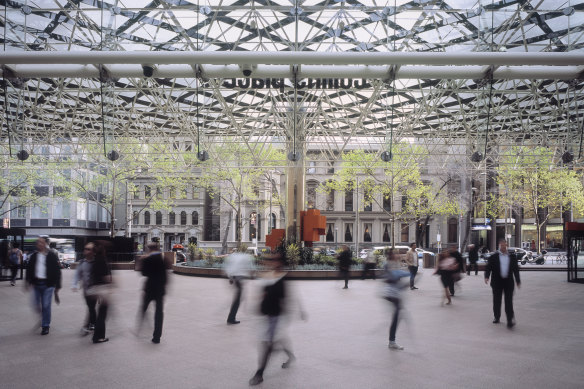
(425, 200)
(365, 171)
(235, 177)
(530, 178)
(107, 183)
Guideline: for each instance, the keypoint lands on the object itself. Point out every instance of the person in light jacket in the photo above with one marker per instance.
(412, 262)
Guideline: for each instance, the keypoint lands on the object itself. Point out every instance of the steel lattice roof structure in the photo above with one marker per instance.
(457, 76)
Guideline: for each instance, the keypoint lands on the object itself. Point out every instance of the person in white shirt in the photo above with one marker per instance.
(237, 267)
(503, 267)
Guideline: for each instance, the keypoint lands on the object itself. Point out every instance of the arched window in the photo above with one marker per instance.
(349, 200)
(311, 194)
(452, 230)
(273, 219)
(386, 229)
(171, 218)
(147, 218)
(329, 233)
(349, 233)
(367, 233)
(254, 221)
(195, 216)
(330, 200)
(135, 218)
(183, 218)
(158, 218)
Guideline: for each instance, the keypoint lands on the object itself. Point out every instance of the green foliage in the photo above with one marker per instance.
(94, 177)
(292, 255)
(194, 253)
(236, 173)
(530, 178)
(306, 256)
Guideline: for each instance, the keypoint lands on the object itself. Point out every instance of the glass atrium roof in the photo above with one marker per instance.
(478, 88)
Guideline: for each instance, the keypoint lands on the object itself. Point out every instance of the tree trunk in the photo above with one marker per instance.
(226, 234)
(238, 226)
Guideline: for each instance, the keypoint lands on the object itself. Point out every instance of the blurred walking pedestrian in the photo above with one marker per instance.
(445, 267)
(457, 272)
(44, 274)
(237, 267)
(100, 289)
(275, 303)
(83, 276)
(154, 269)
(473, 257)
(345, 258)
(15, 259)
(392, 292)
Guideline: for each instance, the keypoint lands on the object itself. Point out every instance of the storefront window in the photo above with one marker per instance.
(554, 236)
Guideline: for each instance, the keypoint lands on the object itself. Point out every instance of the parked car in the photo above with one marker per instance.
(363, 253)
(421, 253)
(180, 256)
(519, 252)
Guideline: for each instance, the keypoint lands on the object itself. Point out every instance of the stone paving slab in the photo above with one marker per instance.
(343, 344)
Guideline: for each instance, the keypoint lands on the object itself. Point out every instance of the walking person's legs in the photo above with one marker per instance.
(91, 302)
(508, 291)
(14, 271)
(146, 298)
(413, 271)
(99, 333)
(266, 348)
(497, 296)
(158, 318)
(236, 300)
(393, 327)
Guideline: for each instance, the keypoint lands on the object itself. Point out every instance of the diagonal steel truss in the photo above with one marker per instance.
(451, 116)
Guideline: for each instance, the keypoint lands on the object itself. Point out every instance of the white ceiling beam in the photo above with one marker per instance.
(306, 71)
(289, 58)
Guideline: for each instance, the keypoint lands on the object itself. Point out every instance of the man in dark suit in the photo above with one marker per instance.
(503, 268)
(44, 274)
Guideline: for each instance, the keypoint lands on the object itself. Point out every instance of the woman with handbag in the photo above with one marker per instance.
(446, 266)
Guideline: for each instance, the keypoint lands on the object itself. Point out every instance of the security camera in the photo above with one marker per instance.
(247, 69)
(22, 155)
(113, 155)
(202, 156)
(148, 70)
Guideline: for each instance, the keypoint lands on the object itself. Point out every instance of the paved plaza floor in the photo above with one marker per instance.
(343, 344)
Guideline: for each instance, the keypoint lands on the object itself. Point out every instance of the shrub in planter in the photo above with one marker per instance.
(306, 256)
(292, 255)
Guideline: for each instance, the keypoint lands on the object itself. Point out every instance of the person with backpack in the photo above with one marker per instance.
(15, 258)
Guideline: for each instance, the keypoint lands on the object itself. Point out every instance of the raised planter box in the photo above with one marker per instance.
(294, 274)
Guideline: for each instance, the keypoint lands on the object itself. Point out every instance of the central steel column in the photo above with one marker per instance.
(295, 179)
